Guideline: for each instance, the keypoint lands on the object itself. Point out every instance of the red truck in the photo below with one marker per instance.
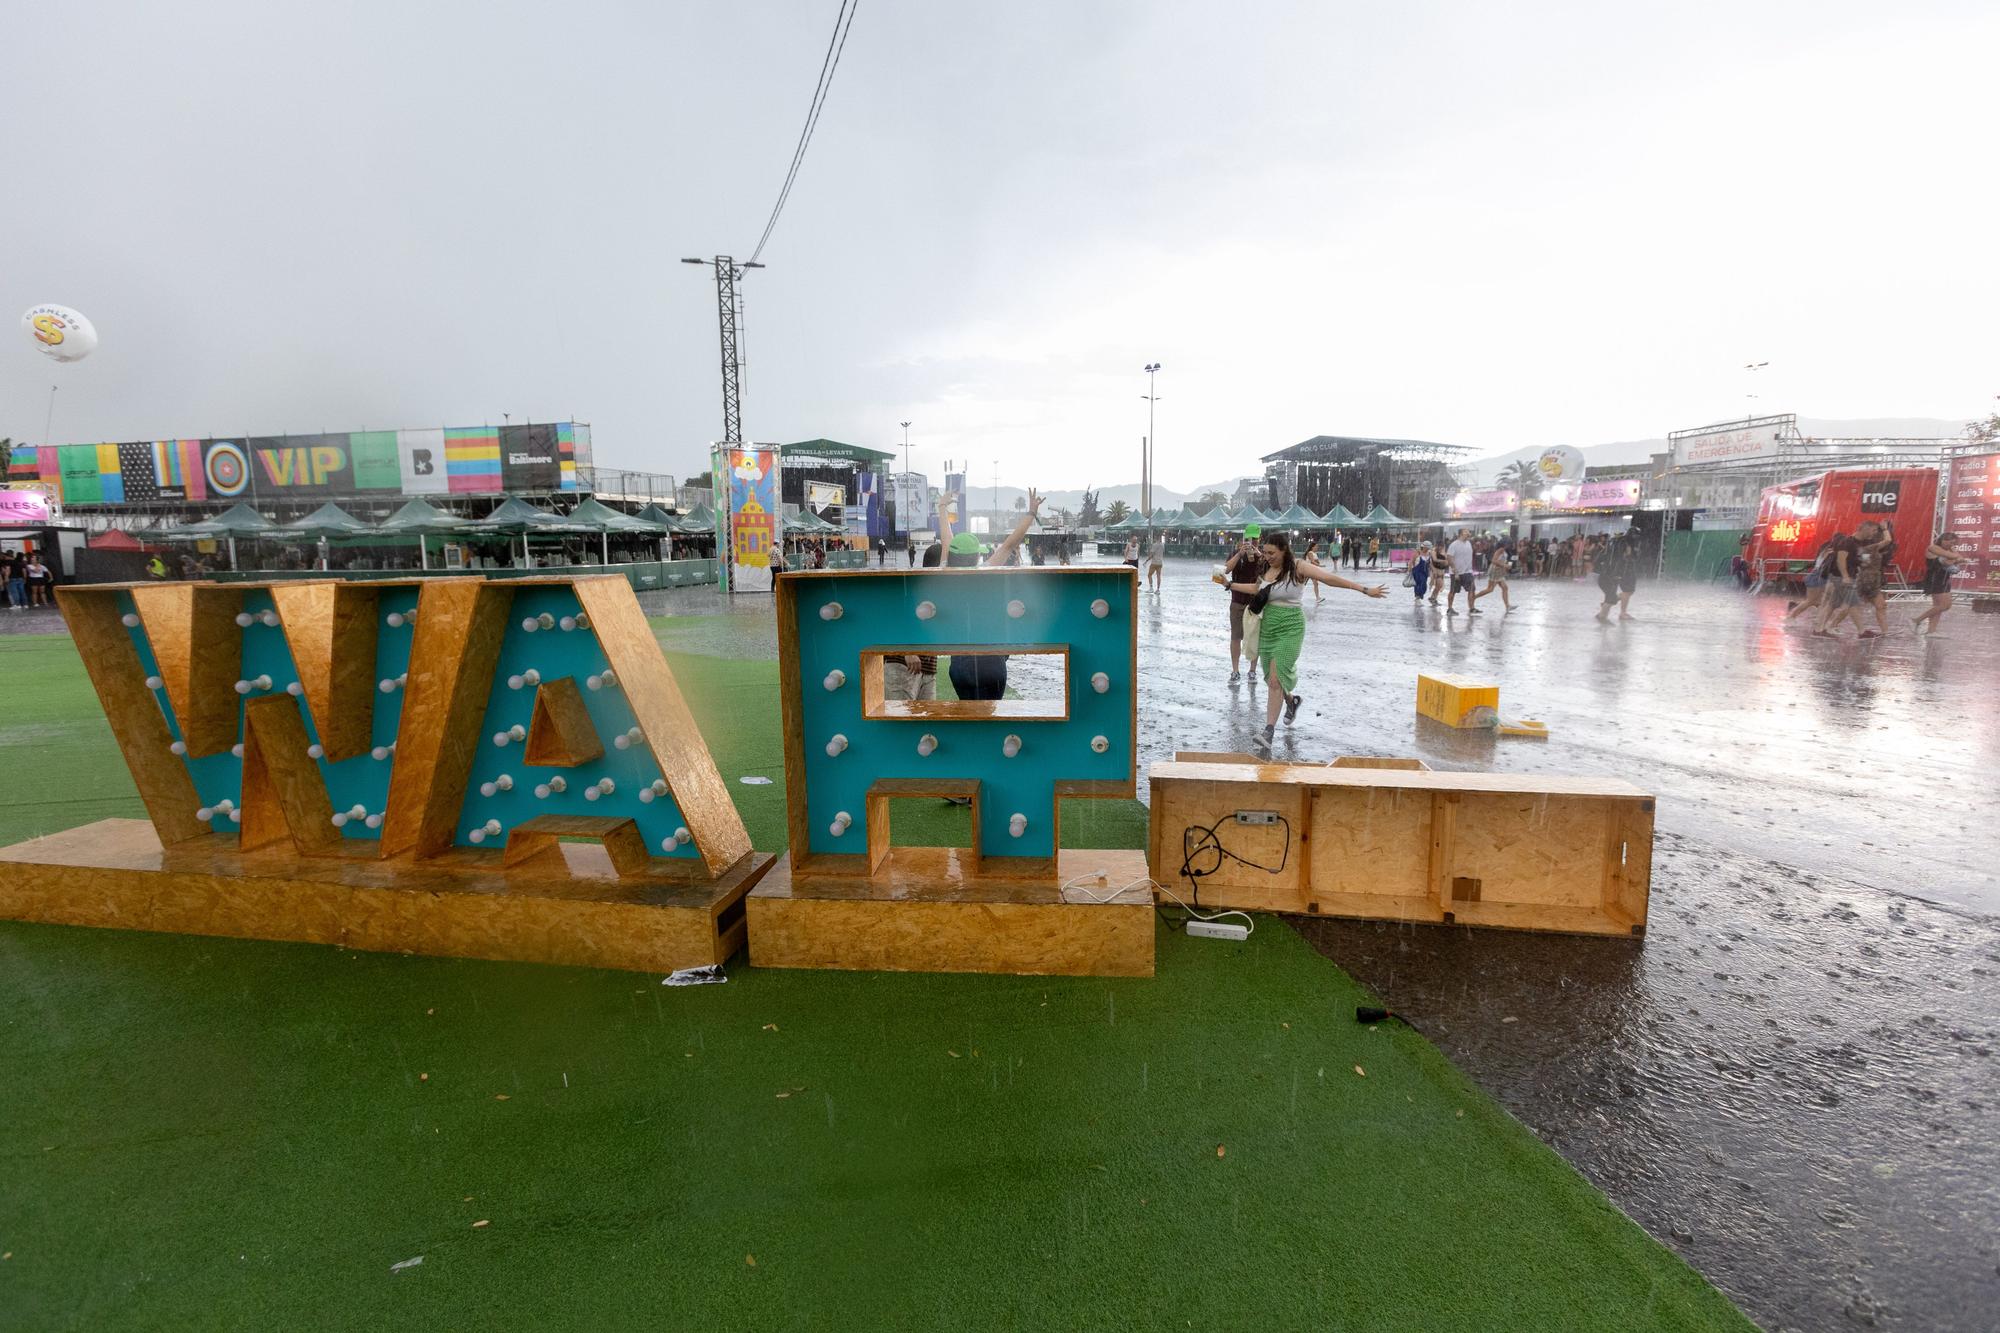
(1794, 519)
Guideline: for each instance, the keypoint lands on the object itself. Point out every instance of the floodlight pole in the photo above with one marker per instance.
(1146, 446)
(729, 314)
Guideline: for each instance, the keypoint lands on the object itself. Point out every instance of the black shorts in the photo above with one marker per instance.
(1629, 583)
(1937, 581)
(1465, 582)
(979, 677)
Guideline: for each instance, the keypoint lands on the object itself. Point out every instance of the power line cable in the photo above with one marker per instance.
(835, 45)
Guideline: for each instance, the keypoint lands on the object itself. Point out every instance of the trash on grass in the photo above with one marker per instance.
(407, 1263)
(755, 781)
(708, 974)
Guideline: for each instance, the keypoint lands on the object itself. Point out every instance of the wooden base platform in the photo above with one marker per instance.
(925, 912)
(464, 904)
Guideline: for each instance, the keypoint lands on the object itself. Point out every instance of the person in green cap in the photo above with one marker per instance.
(1283, 632)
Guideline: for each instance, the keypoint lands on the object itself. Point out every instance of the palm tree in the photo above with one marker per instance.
(1524, 479)
(1118, 513)
(1212, 500)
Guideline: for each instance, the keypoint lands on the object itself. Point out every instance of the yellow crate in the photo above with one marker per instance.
(1456, 702)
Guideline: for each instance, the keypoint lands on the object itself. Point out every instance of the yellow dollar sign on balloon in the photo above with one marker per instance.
(49, 329)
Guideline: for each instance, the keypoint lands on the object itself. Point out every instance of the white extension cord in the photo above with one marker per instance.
(1205, 925)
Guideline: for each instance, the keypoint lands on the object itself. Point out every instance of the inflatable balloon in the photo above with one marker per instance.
(1560, 463)
(61, 333)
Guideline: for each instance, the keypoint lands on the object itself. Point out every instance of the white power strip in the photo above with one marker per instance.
(1218, 930)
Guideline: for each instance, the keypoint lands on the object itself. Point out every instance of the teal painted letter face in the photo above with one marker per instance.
(983, 608)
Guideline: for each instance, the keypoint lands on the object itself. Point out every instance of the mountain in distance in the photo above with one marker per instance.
(1625, 452)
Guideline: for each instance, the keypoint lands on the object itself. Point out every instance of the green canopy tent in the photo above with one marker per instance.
(668, 520)
(806, 523)
(239, 520)
(698, 522)
(419, 520)
(1340, 516)
(1132, 522)
(329, 520)
(605, 520)
(518, 518)
(1378, 517)
(1298, 516)
(1250, 513)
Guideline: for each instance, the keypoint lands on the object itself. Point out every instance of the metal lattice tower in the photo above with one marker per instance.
(729, 315)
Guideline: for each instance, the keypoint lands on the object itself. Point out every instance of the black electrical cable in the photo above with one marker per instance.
(829, 63)
(1209, 843)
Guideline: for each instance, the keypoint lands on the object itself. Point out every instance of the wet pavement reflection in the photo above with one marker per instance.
(1792, 1080)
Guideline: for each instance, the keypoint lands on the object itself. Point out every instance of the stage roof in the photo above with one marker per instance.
(1333, 448)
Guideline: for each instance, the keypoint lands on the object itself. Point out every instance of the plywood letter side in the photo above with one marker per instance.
(460, 626)
(560, 732)
(284, 798)
(198, 649)
(136, 721)
(666, 721)
(332, 628)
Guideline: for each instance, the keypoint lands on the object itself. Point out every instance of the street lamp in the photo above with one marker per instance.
(903, 491)
(1146, 449)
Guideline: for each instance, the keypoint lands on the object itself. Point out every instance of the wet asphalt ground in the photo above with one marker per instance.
(1792, 1080)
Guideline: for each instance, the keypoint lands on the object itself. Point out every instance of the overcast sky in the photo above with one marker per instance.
(1496, 225)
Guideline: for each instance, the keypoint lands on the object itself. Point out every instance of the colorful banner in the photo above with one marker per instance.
(751, 477)
(1972, 512)
(472, 460)
(568, 434)
(531, 460)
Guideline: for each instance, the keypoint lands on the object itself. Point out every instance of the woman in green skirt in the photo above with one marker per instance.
(1283, 631)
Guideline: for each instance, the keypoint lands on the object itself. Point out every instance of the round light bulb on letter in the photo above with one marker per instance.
(925, 610)
(841, 823)
(529, 625)
(835, 746)
(927, 745)
(1011, 746)
(1100, 608)
(1016, 609)
(1017, 824)
(682, 836)
(340, 819)
(517, 732)
(379, 753)
(835, 679)
(244, 620)
(129, 621)
(567, 623)
(831, 611)
(1100, 682)
(315, 751)
(1100, 743)
(395, 620)
(545, 620)
(154, 682)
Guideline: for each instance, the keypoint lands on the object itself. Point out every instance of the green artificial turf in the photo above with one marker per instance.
(203, 1133)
